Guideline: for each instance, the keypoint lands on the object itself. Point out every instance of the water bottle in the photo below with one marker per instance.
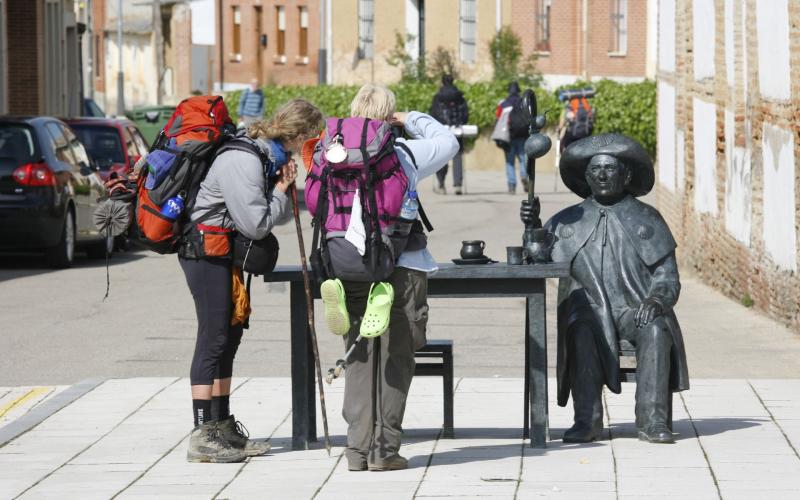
(410, 207)
(173, 207)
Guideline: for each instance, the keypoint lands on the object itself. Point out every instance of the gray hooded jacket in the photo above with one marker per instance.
(236, 181)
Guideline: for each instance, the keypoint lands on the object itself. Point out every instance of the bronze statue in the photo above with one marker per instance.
(622, 287)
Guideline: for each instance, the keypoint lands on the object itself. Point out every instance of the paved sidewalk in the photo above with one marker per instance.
(739, 439)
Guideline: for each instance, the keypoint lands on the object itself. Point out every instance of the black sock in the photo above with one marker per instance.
(220, 407)
(202, 411)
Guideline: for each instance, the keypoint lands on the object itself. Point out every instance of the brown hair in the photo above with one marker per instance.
(294, 119)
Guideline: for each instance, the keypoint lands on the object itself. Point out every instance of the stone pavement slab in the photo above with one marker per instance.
(127, 438)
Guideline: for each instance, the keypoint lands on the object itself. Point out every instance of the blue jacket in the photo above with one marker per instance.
(251, 103)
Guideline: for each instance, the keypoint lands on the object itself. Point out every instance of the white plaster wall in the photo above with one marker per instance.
(666, 135)
(412, 27)
(738, 186)
(705, 157)
(772, 27)
(703, 31)
(729, 45)
(666, 35)
(780, 236)
(680, 159)
(139, 71)
(204, 22)
(744, 49)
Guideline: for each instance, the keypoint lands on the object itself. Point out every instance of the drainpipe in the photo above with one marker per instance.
(120, 73)
(585, 28)
(322, 57)
(221, 39)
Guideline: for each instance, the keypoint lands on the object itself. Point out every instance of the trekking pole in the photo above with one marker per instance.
(341, 364)
(310, 308)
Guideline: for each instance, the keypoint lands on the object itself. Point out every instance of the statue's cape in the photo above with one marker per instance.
(643, 225)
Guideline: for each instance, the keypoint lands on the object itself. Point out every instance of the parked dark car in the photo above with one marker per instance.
(114, 143)
(49, 188)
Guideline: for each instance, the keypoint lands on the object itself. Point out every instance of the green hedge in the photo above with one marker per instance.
(625, 108)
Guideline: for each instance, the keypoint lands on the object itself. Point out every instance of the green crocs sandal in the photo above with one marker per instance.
(379, 308)
(336, 316)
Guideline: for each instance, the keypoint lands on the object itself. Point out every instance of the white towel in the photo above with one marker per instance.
(356, 232)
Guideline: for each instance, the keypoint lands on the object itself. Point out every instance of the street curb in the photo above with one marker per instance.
(42, 412)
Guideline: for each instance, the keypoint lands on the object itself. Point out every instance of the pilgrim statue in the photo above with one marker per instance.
(622, 288)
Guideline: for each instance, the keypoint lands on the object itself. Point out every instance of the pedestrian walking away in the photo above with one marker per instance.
(450, 108)
(244, 193)
(390, 316)
(251, 105)
(518, 129)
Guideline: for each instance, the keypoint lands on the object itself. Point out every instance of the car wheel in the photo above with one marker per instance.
(99, 250)
(62, 254)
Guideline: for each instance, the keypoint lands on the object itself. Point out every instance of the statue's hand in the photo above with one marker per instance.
(648, 310)
(529, 210)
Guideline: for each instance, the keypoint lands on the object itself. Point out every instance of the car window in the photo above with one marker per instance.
(103, 144)
(141, 144)
(129, 144)
(16, 143)
(77, 148)
(60, 144)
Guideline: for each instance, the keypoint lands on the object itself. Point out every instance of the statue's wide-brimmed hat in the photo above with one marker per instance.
(576, 157)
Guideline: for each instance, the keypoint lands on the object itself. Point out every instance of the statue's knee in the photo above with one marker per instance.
(656, 331)
(581, 332)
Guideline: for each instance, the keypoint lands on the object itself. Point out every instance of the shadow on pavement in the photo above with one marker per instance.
(704, 427)
(23, 265)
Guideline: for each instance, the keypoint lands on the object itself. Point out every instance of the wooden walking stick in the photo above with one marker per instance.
(310, 307)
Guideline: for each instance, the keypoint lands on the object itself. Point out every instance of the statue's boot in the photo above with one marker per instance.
(586, 375)
(653, 350)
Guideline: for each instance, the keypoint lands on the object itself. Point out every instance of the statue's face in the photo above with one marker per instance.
(607, 177)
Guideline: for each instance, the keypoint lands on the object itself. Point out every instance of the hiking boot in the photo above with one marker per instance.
(439, 189)
(512, 188)
(236, 434)
(394, 462)
(357, 465)
(458, 191)
(207, 444)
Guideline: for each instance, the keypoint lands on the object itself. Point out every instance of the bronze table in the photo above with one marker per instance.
(467, 281)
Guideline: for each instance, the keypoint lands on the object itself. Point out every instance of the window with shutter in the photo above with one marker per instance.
(366, 31)
(619, 27)
(467, 30)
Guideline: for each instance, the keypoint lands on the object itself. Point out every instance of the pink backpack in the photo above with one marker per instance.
(355, 153)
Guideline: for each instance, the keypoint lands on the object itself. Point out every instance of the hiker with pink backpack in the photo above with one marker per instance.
(369, 246)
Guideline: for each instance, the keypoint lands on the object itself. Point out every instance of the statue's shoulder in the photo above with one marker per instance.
(568, 216)
(646, 229)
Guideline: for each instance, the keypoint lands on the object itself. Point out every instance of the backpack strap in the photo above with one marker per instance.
(422, 214)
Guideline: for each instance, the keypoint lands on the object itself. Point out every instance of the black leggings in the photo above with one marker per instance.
(217, 341)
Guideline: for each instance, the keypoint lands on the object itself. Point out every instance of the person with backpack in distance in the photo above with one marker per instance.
(450, 108)
(576, 122)
(244, 192)
(251, 105)
(518, 133)
(372, 248)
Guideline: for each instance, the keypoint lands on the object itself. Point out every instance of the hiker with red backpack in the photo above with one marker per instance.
(514, 146)
(244, 191)
(370, 245)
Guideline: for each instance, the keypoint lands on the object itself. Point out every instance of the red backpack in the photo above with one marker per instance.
(177, 164)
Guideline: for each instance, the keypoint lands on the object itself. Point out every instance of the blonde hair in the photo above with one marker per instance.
(296, 118)
(375, 102)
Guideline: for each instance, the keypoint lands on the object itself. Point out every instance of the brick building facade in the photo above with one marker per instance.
(40, 70)
(272, 41)
(618, 39)
(728, 102)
